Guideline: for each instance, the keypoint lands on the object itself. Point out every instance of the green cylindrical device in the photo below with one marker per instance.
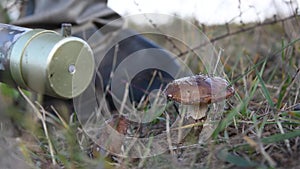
(45, 61)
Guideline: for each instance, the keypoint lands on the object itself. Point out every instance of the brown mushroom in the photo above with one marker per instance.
(195, 93)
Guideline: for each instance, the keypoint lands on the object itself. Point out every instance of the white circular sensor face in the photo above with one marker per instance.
(125, 110)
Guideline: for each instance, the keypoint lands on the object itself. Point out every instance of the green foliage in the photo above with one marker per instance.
(235, 159)
(281, 137)
(4, 17)
(8, 91)
(255, 120)
(264, 89)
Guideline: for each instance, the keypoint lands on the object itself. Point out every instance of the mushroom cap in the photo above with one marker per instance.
(198, 89)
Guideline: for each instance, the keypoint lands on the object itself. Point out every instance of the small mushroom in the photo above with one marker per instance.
(195, 93)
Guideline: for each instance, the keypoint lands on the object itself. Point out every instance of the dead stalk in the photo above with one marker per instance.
(169, 139)
(294, 78)
(124, 99)
(271, 162)
(60, 118)
(41, 117)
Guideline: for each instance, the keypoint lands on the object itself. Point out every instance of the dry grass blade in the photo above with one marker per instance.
(124, 98)
(196, 124)
(60, 118)
(51, 149)
(35, 110)
(169, 139)
(265, 89)
(287, 142)
(294, 78)
(42, 117)
(271, 162)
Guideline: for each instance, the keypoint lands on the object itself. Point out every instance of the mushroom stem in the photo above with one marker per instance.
(196, 111)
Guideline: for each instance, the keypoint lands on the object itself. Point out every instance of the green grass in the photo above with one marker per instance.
(259, 130)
